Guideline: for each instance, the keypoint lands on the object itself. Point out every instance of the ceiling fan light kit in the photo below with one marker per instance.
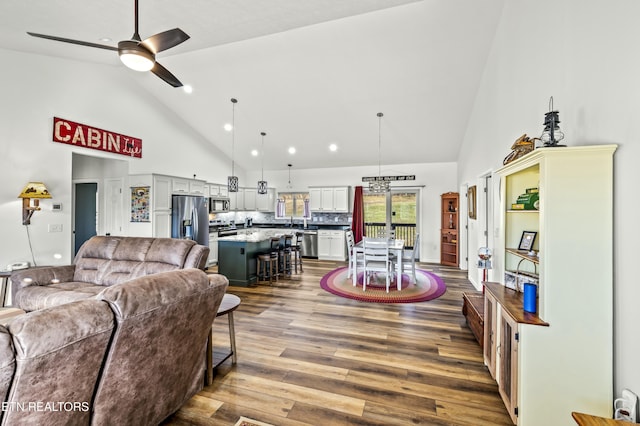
(137, 54)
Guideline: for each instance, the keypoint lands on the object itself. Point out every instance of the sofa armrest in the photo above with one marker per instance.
(40, 276)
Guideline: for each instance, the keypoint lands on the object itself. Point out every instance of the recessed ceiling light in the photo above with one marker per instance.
(292, 150)
(187, 88)
(228, 127)
(333, 147)
(106, 39)
(254, 152)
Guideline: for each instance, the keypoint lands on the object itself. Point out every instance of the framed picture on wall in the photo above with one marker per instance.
(471, 201)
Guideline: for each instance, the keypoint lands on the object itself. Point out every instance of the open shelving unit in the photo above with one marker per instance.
(449, 229)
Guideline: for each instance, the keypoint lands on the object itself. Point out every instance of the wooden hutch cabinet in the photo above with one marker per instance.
(560, 358)
(449, 229)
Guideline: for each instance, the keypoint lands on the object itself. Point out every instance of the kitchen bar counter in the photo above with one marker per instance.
(237, 257)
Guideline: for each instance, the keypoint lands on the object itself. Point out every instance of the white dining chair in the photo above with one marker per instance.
(376, 259)
(354, 259)
(409, 258)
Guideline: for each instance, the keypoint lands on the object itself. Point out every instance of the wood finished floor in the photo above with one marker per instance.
(307, 357)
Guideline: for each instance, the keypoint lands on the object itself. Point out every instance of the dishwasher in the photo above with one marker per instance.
(309, 244)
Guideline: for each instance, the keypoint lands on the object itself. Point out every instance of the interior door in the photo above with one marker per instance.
(85, 213)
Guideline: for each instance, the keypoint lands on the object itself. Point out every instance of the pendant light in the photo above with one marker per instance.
(379, 186)
(232, 181)
(289, 186)
(262, 184)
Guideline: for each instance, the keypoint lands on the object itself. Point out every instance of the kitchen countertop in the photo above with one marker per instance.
(296, 227)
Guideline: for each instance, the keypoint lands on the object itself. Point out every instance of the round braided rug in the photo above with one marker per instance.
(428, 286)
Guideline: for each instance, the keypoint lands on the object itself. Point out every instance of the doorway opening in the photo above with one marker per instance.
(85, 213)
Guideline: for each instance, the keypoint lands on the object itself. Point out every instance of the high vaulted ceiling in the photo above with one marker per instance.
(309, 73)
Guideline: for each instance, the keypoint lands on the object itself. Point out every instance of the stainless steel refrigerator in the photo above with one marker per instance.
(190, 218)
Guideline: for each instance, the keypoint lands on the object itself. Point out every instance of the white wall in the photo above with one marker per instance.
(36, 89)
(585, 55)
(437, 178)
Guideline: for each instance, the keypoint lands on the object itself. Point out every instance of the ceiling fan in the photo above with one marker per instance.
(137, 54)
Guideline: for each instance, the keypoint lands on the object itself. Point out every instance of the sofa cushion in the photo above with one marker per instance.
(107, 261)
(58, 353)
(38, 297)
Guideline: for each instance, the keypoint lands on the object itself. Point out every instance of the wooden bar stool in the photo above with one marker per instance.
(286, 255)
(267, 267)
(296, 250)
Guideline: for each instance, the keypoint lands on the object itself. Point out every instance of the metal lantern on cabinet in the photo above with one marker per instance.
(551, 134)
(262, 184)
(379, 185)
(232, 181)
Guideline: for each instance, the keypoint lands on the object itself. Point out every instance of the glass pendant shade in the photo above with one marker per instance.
(262, 187)
(232, 183)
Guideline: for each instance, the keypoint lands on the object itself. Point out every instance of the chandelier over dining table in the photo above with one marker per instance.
(379, 185)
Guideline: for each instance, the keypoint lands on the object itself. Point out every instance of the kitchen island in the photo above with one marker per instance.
(237, 257)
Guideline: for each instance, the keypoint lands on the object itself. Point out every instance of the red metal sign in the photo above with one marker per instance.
(81, 135)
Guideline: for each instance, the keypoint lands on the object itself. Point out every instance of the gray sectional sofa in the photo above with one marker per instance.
(103, 349)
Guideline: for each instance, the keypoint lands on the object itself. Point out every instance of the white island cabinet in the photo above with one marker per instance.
(560, 358)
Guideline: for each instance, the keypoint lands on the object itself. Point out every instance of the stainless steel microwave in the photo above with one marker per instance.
(218, 205)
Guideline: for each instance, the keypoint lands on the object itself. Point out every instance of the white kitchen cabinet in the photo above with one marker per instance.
(197, 187)
(341, 199)
(559, 359)
(161, 221)
(180, 186)
(329, 199)
(250, 198)
(315, 199)
(187, 186)
(266, 202)
(161, 192)
(236, 200)
(331, 245)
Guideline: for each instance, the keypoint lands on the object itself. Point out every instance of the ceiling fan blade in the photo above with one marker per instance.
(164, 74)
(165, 40)
(68, 40)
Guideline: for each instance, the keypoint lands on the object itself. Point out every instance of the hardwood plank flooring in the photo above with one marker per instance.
(308, 357)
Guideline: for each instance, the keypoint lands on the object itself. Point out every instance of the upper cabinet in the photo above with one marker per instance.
(556, 223)
(266, 202)
(329, 199)
(188, 186)
(248, 199)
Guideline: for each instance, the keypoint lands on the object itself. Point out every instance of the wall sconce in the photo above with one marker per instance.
(35, 190)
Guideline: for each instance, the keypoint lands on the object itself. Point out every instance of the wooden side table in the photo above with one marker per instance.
(583, 419)
(230, 303)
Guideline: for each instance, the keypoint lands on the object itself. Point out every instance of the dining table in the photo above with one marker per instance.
(396, 247)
